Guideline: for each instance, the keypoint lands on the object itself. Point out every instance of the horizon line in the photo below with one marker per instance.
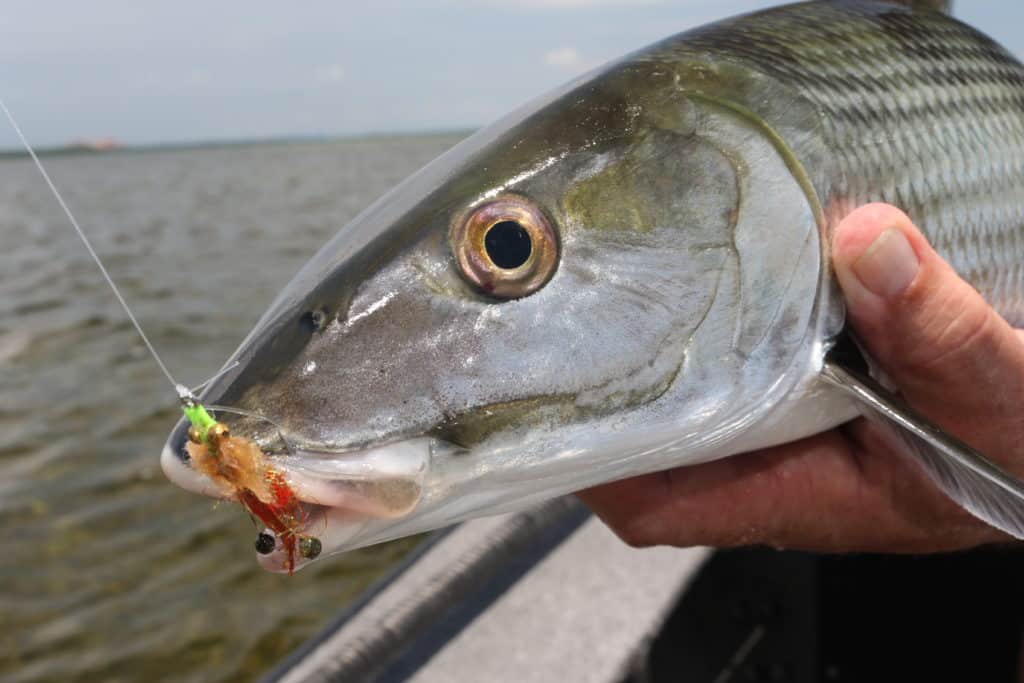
(110, 145)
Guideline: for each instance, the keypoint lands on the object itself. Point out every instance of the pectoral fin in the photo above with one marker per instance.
(962, 473)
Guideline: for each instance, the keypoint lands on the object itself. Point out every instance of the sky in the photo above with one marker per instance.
(195, 70)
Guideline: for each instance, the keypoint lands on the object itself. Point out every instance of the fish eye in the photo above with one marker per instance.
(505, 247)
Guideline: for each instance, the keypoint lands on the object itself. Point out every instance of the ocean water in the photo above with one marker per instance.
(107, 571)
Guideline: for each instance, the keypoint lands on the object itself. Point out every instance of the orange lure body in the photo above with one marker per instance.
(239, 468)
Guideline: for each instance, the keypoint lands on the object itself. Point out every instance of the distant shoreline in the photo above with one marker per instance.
(86, 150)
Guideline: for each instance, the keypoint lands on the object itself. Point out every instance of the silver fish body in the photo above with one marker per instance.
(692, 187)
(914, 109)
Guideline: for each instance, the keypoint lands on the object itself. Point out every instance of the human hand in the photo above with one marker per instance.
(951, 356)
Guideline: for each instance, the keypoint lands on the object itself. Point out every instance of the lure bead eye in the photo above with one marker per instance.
(265, 543)
(309, 547)
(217, 433)
(506, 247)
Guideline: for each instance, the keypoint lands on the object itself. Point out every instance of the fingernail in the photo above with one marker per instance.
(888, 265)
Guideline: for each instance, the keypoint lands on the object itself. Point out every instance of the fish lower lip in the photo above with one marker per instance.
(342, 492)
(383, 481)
(176, 468)
(339, 492)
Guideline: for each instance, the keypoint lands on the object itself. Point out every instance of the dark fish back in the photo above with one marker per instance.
(918, 110)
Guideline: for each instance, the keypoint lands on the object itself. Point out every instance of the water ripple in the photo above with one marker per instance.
(108, 572)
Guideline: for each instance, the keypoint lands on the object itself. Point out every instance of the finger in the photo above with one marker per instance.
(952, 356)
(814, 494)
(730, 502)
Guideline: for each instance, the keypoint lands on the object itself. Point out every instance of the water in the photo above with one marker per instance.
(107, 571)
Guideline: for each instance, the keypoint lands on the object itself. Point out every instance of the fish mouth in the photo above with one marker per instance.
(339, 491)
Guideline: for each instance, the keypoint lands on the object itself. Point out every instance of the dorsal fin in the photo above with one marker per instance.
(945, 6)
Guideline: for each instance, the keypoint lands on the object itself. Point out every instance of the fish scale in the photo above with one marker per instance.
(918, 110)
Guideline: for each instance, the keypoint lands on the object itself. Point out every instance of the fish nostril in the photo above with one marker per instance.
(177, 441)
(313, 321)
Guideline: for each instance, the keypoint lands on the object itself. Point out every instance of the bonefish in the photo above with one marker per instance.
(631, 274)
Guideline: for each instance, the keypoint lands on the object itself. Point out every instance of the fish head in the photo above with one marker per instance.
(615, 279)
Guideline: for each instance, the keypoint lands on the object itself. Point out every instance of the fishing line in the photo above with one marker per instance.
(283, 512)
(88, 245)
(187, 396)
(220, 373)
(184, 393)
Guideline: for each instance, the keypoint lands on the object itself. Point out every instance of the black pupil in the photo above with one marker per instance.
(508, 244)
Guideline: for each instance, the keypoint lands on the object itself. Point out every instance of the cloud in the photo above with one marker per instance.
(332, 73)
(564, 58)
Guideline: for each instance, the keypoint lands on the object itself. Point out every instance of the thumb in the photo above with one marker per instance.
(951, 355)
